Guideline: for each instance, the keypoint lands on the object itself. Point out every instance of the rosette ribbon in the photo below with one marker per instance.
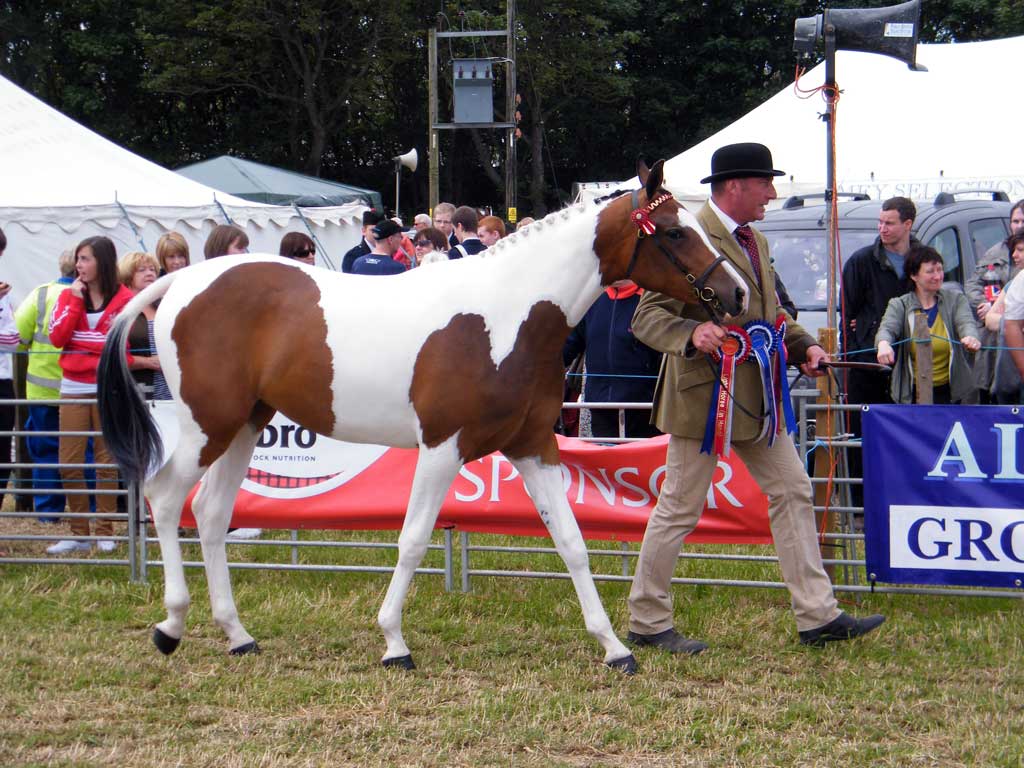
(718, 432)
(641, 217)
(781, 380)
(762, 347)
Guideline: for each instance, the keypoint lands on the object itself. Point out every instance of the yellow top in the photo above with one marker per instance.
(941, 353)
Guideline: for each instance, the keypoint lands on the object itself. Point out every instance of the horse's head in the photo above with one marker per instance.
(649, 238)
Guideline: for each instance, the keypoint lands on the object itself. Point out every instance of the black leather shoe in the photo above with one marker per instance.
(669, 640)
(842, 627)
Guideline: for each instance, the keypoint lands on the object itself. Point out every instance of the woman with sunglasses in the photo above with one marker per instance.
(298, 246)
(431, 246)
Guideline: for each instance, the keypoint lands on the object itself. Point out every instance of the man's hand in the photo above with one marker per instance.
(707, 337)
(815, 355)
(983, 309)
(970, 343)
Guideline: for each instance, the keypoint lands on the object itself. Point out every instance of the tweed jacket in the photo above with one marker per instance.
(682, 398)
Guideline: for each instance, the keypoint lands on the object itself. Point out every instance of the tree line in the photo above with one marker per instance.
(336, 88)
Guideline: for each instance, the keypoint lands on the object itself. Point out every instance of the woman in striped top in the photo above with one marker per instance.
(136, 271)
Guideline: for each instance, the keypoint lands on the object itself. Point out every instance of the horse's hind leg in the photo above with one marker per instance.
(544, 482)
(435, 471)
(212, 509)
(166, 493)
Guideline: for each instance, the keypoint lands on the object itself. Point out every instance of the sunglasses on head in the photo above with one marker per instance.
(305, 252)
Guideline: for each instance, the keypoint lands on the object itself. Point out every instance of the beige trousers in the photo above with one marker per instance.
(84, 418)
(782, 477)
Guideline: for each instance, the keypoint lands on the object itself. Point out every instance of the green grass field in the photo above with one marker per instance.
(507, 676)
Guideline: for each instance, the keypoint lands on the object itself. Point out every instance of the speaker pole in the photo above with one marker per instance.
(830, 164)
(397, 178)
(828, 337)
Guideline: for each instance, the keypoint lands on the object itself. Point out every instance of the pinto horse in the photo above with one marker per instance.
(458, 359)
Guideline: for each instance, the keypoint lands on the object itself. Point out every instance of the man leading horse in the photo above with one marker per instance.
(725, 387)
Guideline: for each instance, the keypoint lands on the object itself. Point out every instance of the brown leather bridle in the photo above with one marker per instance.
(706, 295)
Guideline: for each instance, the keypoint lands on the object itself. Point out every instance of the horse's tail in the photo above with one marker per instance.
(129, 429)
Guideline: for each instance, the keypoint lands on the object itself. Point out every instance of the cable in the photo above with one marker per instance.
(545, 144)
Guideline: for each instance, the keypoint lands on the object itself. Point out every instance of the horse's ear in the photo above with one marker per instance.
(654, 179)
(642, 171)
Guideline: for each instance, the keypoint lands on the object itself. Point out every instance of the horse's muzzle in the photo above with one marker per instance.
(726, 309)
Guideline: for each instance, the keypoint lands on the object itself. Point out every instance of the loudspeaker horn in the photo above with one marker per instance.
(891, 31)
(409, 160)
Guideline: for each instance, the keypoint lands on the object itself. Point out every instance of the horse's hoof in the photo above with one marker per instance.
(405, 662)
(242, 650)
(626, 665)
(164, 642)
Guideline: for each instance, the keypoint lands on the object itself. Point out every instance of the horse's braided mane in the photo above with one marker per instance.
(612, 195)
(552, 219)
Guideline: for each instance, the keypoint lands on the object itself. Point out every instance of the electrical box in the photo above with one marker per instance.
(473, 81)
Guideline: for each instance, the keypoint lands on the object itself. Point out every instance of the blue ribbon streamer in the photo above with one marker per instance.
(764, 364)
(787, 403)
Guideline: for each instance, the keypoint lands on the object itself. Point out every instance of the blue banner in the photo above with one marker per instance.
(944, 494)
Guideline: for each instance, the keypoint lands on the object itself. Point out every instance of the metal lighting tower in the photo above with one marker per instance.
(472, 81)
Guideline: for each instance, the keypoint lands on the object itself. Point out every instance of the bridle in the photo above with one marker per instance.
(646, 230)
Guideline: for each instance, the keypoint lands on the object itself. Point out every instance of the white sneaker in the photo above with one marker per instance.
(106, 545)
(66, 546)
(245, 533)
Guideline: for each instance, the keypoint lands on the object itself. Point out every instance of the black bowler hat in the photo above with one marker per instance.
(738, 161)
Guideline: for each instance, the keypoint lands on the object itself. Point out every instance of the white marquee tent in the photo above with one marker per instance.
(63, 183)
(955, 127)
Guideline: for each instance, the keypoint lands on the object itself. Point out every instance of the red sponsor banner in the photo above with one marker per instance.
(301, 480)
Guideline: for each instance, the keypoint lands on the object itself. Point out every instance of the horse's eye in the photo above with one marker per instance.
(676, 233)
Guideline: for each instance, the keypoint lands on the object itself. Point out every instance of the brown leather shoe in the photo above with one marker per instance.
(669, 640)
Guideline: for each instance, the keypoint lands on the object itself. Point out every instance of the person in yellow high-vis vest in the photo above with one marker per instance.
(42, 382)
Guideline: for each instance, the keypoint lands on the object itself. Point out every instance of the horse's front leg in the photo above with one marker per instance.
(435, 470)
(544, 482)
(212, 508)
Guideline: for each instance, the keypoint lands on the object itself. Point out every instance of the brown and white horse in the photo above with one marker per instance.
(458, 360)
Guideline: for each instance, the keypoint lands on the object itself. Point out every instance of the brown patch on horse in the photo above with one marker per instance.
(513, 407)
(614, 240)
(252, 343)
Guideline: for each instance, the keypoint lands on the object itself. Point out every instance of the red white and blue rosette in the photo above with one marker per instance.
(781, 380)
(762, 349)
(734, 350)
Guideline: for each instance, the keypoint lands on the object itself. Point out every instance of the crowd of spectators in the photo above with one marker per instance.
(63, 324)
(452, 233)
(887, 284)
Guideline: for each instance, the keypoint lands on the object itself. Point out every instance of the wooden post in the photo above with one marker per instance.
(923, 359)
(823, 459)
